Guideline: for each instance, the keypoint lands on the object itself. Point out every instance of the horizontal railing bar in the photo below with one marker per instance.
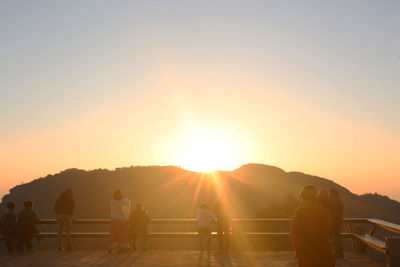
(194, 221)
(172, 234)
(392, 227)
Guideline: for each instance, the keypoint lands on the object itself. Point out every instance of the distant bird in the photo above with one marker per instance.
(75, 98)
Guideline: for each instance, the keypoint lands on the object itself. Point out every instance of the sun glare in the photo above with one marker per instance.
(205, 154)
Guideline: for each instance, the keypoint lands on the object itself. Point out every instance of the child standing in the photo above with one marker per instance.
(204, 219)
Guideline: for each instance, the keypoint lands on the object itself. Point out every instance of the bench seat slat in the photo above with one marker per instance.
(373, 242)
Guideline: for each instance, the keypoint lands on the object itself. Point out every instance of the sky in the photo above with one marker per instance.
(310, 86)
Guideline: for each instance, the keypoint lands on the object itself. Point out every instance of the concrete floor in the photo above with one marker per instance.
(167, 258)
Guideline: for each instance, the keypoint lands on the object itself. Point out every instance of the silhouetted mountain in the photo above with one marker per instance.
(170, 192)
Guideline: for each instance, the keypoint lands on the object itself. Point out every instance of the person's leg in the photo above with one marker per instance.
(10, 243)
(20, 243)
(60, 232)
(68, 230)
(28, 242)
(338, 242)
(144, 242)
(201, 242)
(133, 244)
(220, 232)
(227, 237)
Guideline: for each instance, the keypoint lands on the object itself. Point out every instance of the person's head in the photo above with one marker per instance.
(204, 206)
(11, 205)
(334, 194)
(117, 195)
(323, 196)
(308, 193)
(28, 204)
(139, 206)
(68, 191)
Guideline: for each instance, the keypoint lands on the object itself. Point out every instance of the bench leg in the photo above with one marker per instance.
(393, 248)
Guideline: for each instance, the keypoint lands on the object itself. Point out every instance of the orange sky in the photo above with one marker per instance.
(202, 85)
(161, 125)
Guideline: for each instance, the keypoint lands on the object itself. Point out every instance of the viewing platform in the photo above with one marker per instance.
(169, 258)
(242, 255)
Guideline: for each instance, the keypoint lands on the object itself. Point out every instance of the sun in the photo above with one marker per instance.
(206, 153)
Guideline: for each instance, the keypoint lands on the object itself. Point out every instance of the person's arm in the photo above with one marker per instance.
(37, 218)
(294, 232)
(127, 209)
(213, 218)
(72, 205)
(148, 219)
(56, 205)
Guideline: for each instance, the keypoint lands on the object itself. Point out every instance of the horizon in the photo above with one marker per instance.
(310, 88)
(212, 173)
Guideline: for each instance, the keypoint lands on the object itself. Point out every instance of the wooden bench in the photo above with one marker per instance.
(373, 242)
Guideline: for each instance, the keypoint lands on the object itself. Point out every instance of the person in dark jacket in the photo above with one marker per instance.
(64, 208)
(139, 219)
(26, 226)
(9, 222)
(310, 231)
(336, 218)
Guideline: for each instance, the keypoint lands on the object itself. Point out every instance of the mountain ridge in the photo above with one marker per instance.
(258, 190)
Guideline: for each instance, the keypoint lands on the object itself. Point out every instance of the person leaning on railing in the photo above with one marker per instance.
(26, 228)
(204, 219)
(120, 210)
(139, 219)
(64, 208)
(310, 231)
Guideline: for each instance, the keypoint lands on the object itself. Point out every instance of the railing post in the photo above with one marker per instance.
(393, 248)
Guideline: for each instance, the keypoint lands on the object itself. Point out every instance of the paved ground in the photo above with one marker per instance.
(166, 258)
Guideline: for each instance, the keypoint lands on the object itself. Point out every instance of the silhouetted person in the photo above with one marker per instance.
(323, 198)
(204, 220)
(139, 220)
(26, 226)
(336, 218)
(64, 208)
(222, 211)
(9, 222)
(120, 210)
(310, 231)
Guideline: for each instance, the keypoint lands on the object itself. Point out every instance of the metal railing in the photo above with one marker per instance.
(367, 239)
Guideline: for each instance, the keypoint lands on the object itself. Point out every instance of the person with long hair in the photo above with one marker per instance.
(64, 208)
(120, 210)
(336, 218)
(204, 219)
(310, 231)
(139, 219)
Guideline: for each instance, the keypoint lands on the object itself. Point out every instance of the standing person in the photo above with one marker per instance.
(204, 219)
(224, 222)
(120, 209)
(310, 231)
(9, 222)
(64, 208)
(139, 219)
(26, 226)
(336, 218)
